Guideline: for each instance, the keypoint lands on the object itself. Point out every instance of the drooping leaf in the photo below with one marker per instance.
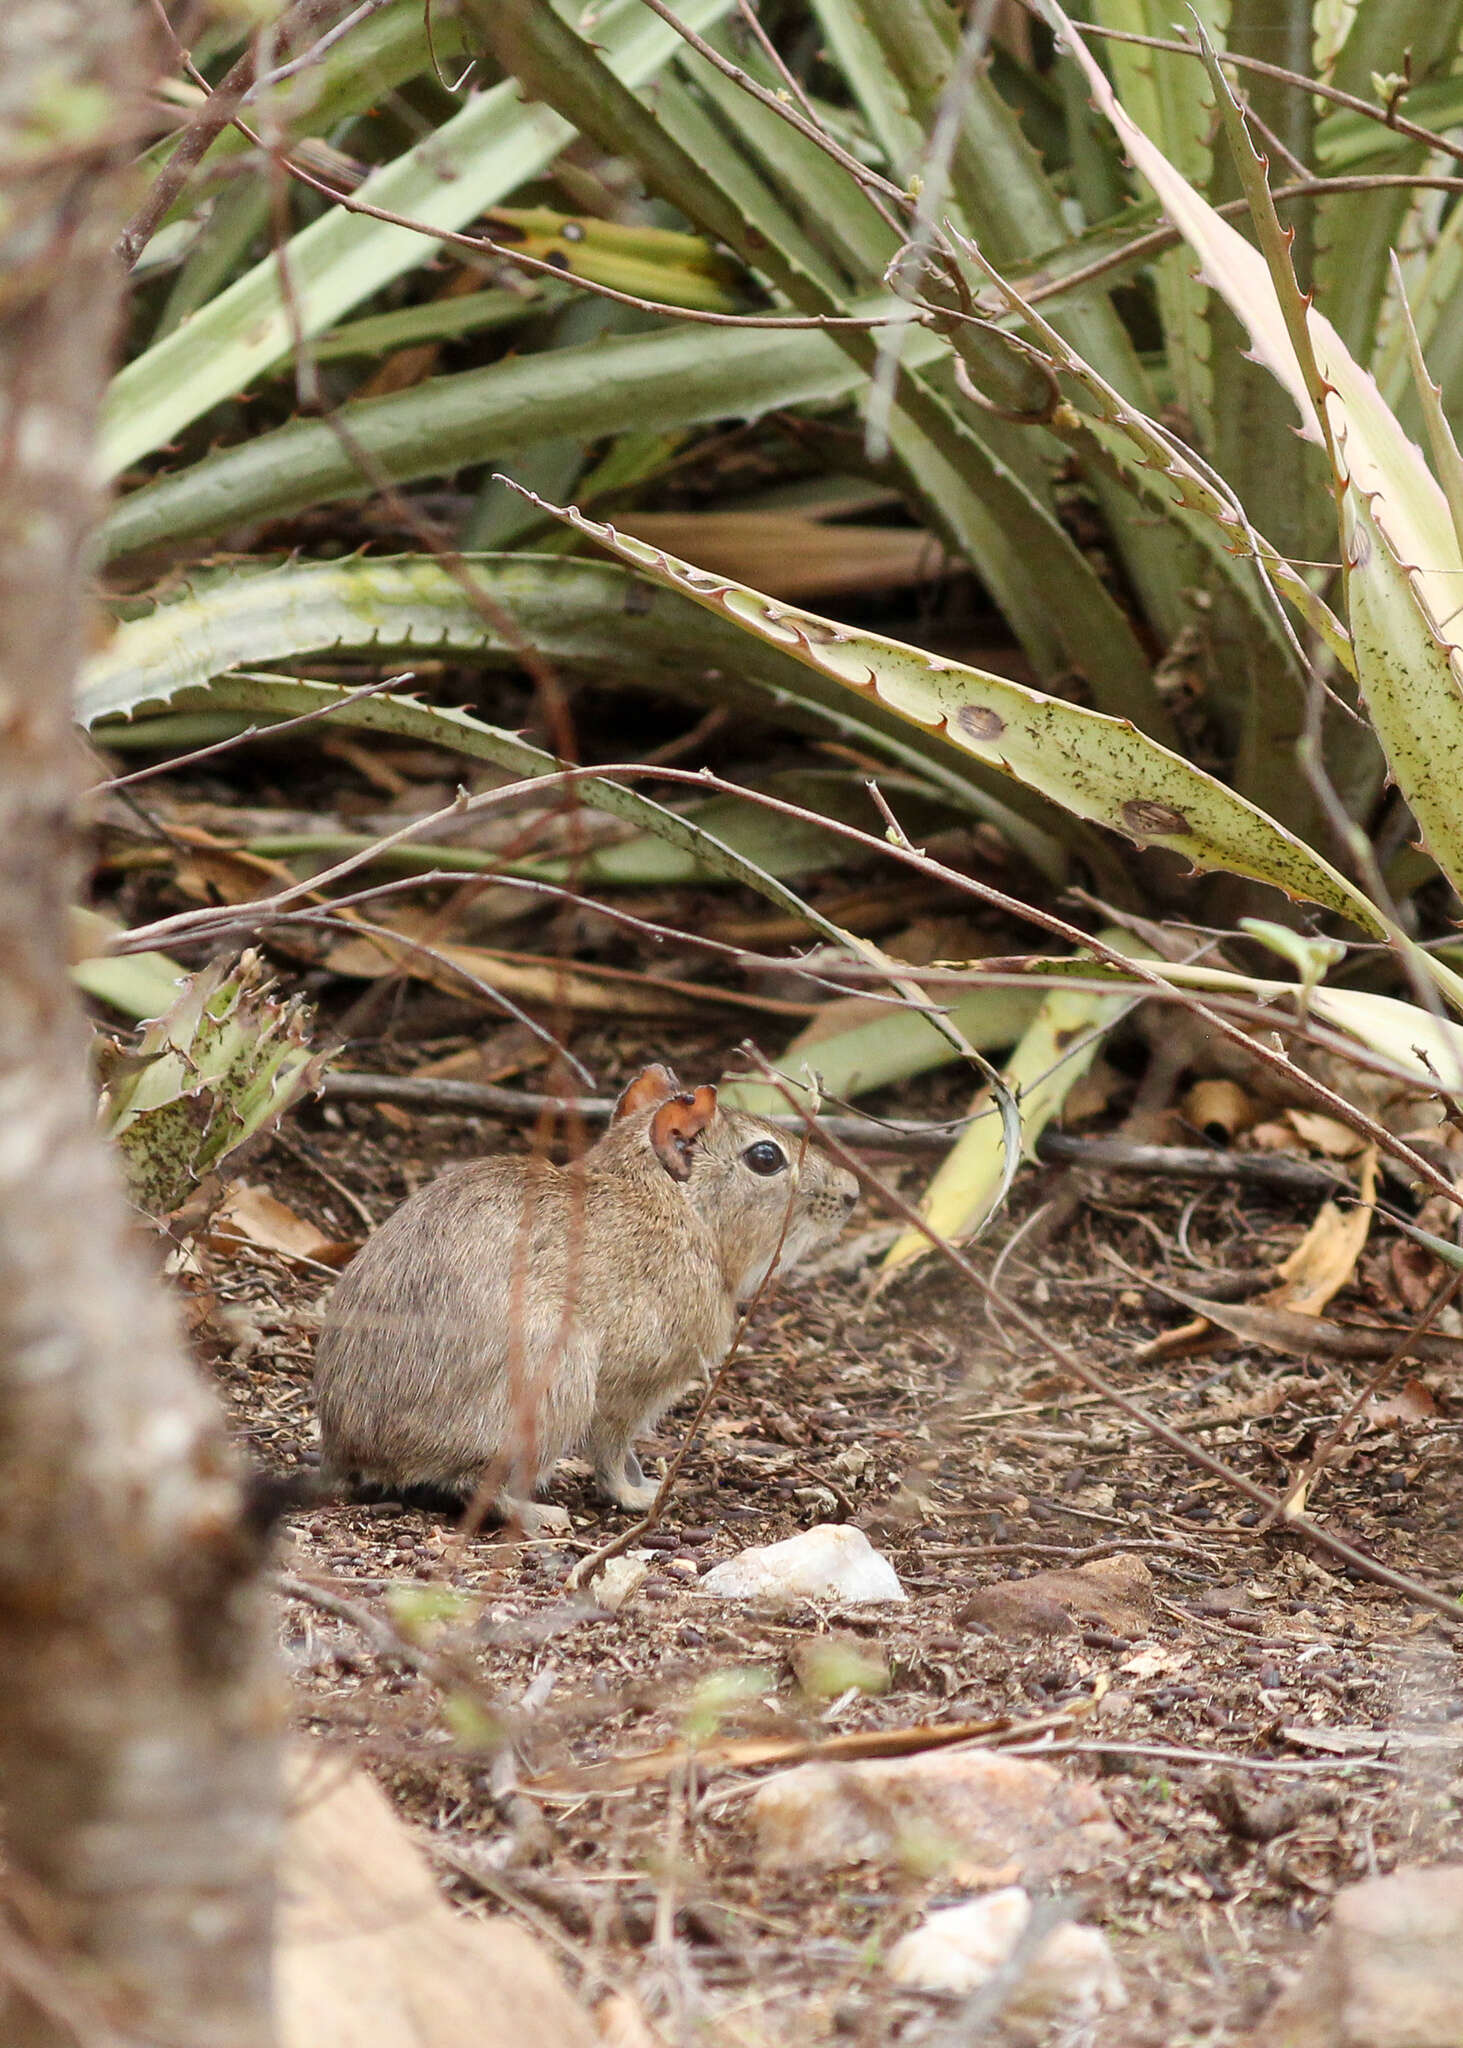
(1102, 769)
(1055, 1050)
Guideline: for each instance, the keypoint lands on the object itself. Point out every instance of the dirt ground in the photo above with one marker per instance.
(1281, 1728)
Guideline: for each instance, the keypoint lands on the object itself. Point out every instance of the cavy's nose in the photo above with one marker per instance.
(849, 1192)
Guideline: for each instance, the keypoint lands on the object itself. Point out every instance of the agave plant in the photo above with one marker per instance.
(1020, 270)
(222, 1064)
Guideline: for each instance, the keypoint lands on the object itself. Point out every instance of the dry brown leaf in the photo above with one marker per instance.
(251, 1215)
(1325, 1259)
(791, 556)
(1293, 1334)
(1324, 1133)
(1412, 1402)
(541, 981)
(499, 1056)
(1414, 1271)
(211, 873)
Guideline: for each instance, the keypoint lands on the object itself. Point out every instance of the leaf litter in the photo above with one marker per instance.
(971, 1466)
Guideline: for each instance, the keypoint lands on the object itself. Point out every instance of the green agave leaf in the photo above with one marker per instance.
(674, 378)
(881, 99)
(1157, 464)
(1229, 263)
(1013, 210)
(590, 615)
(1405, 570)
(1168, 96)
(879, 1051)
(805, 225)
(786, 848)
(577, 612)
(439, 320)
(1382, 464)
(1412, 677)
(473, 160)
(1356, 232)
(1435, 291)
(128, 689)
(1102, 769)
(381, 53)
(1446, 459)
(1352, 142)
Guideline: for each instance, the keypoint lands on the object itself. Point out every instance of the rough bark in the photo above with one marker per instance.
(138, 1714)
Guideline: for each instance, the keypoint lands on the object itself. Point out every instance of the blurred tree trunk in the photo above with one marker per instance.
(139, 1718)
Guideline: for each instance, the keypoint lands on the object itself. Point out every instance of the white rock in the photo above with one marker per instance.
(1071, 1972)
(834, 1561)
(619, 1578)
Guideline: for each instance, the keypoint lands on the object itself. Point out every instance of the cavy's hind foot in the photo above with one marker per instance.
(535, 1518)
(623, 1482)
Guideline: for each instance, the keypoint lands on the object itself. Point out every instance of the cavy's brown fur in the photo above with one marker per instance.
(513, 1312)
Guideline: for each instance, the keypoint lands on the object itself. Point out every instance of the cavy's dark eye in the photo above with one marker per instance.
(765, 1157)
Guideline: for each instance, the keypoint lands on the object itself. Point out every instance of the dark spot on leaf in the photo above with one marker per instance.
(1147, 819)
(818, 631)
(557, 260)
(979, 722)
(1062, 1039)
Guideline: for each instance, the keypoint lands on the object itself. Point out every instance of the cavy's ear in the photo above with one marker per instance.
(651, 1085)
(676, 1126)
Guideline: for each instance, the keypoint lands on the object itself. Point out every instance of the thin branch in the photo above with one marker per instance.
(484, 245)
(1219, 1013)
(316, 51)
(870, 180)
(1156, 240)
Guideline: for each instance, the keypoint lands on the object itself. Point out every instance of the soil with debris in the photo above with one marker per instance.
(1278, 1727)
